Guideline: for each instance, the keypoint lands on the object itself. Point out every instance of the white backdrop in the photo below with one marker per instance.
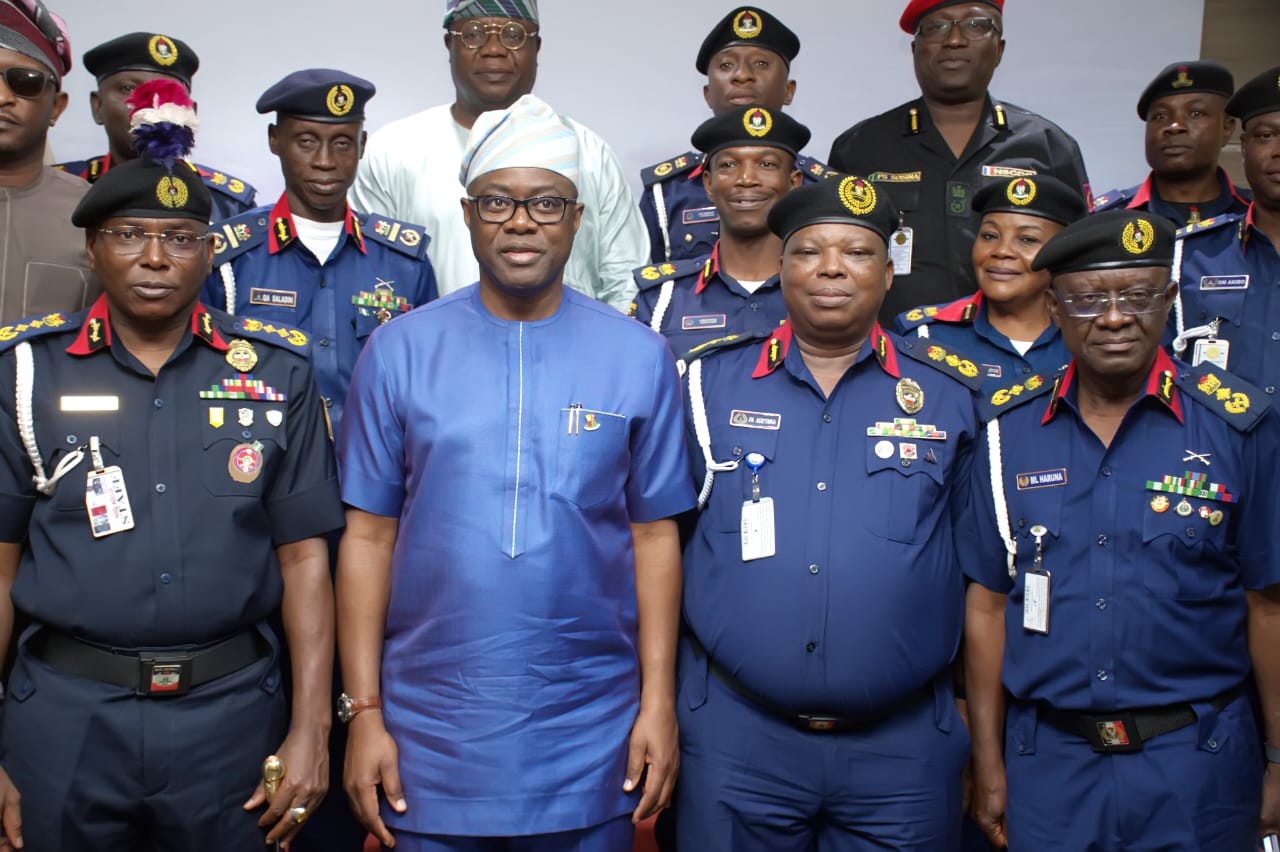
(626, 70)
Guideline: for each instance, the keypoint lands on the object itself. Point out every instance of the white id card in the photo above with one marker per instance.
(900, 250)
(1212, 352)
(1035, 601)
(107, 501)
(757, 529)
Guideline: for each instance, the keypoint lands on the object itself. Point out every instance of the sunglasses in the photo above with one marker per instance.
(27, 82)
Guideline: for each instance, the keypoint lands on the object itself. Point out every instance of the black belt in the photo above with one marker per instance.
(822, 723)
(156, 674)
(1121, 732)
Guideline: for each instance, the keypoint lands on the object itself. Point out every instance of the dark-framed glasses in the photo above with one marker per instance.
(474, 34)
(27, 82)
(131, 241)
(542, 209)
(971, 29)
(1129, 302)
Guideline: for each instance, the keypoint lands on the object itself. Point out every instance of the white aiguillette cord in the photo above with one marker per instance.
(25, 375)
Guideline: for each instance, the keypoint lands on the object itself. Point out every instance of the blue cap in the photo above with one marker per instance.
(319, 94)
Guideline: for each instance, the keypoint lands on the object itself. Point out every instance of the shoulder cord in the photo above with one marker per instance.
(229, 286)
(997, 495)
(660, 207)
(664, 303)
(703, 433)
(1184, 334)
(25, 380)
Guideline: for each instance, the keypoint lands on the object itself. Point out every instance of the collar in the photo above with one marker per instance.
(775, 349)
(961, 310)
(100, 166)
(1160, 384)
(282, 233)
(709, 269)
(1147, 190)
(917, 115)
(95, 332)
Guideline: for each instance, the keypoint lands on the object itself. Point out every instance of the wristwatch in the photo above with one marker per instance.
(349, 708)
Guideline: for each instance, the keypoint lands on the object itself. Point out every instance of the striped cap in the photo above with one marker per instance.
(527, 134)
(524, 10)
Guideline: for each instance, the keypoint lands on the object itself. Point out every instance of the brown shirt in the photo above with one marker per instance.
(43, 267)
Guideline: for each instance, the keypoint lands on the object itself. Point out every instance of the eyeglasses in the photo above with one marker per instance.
(27, 82)
(474, 34)
(971, 29)
(132, 241)
(1130, 303)
(542, 209)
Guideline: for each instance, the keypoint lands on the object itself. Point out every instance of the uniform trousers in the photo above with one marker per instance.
(616, 835)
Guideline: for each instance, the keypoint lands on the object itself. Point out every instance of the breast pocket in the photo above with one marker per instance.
(1186, 536)
(734, 487)
(906, 478)
(69, 432)
(905, 195)
(242, 440)
(1219, 296)
(365, 324)
(592, 461)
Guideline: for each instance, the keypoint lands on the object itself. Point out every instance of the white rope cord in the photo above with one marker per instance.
(997, 494)
(664, 304)
(229, 286)
(703, 433)
(25, 375)
(660, 207)
(1175, 275)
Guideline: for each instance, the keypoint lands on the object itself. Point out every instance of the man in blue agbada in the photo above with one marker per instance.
(511, 457)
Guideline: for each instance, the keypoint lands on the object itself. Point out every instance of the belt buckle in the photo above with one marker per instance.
(820, 724)
(1116, 734)
(162, 677)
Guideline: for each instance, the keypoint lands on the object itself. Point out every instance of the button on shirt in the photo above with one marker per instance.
(861, 605)
(509, 670)
(1147, 600)
(200, 562)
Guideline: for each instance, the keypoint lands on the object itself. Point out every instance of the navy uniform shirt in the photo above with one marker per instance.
(692, 223)
(1230, 271)
(695, 301)
(963, 325)
(200, 563)
(1145, 197)
(901, 151)
(862, 603)
(377, 271)
(1147, 595)
(231, 196)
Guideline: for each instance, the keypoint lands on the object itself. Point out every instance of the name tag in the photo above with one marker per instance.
(701, 321)
(1035, 601)
(273, 298)
(1042, 479)
(755, 420)
(894, 177)
(1224, 282)
(757, 529)
(994, 371)
(699, 215)
(89, 403)
(1006, 172)
(901, 244)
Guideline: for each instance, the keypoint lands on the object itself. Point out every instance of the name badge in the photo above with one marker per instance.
(702, 321)
(1212, 351)
(755, 420)
(1006, 172)
(698, 215)
(89, 403)
(1224, 282)
(895, 177)
(757, 529)
(273, 298)
(1041, 479)
(994, 371)
(900, 247)
(1035, 601)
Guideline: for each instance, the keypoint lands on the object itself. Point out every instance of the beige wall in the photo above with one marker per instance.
(1244, 35)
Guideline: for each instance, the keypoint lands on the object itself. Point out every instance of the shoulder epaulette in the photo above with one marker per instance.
(1209, 224)
(815, 170)
(675, 166)
(1008, 397)
(237, 235)
(942, 359)
(401, 236)
(1114, 198)
(284, 336)
(90, 169)
(653, 276)
(36, 326)
(720, 344)
(1226, 395)
(227, 185)
(922, 315)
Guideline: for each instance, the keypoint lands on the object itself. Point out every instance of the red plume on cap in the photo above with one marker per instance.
(162, 121)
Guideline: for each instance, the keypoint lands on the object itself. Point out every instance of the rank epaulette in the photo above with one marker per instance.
(401, 236)
(1226, 395)
(674, 166)
(719, 344)
(916, 317)
(1113, 199)
(942, 359)
(89, 170)
(36, 326)
(653, 276)
(237, 235)
(814, 170)
(284, 336)
(1008, 397)
(1209, 224)
(227, 184)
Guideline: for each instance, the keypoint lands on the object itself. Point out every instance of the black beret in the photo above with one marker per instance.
(754, 126)
(319, 94)
(849, 201)
(1183, 78)
(1259, 96)
(751, 26)
(143, 52)
(147, 189)
(1113, 239)
(1040, 195)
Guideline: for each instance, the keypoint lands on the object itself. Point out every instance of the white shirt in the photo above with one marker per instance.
(410, 172)
(319, 237)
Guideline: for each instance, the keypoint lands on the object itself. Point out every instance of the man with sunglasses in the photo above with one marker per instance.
(120, 66)
(933, 154)
(42, 267)
(512, 461)
(1126, 576)
(410, 168)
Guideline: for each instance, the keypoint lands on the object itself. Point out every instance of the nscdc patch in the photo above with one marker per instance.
(1138, 236)
(340, 100)
(172, 192)
(1021, 192)
(662, 169)
(1182, 81)
(758, 122)
(162, 50)
(857, 195)
(747, 24)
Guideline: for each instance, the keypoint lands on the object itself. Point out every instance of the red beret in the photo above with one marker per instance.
(917, 9)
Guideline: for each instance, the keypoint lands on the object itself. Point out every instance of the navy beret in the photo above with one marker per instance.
(849, 201)
(1183, 78)
(143, 52)
(1039, 195)
(145, 188)
(753, 126)
(319, 94)
(1113, 239)
(1259, 96)
(748, 25)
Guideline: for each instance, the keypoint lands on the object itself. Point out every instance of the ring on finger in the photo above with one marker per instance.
(299, 814)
